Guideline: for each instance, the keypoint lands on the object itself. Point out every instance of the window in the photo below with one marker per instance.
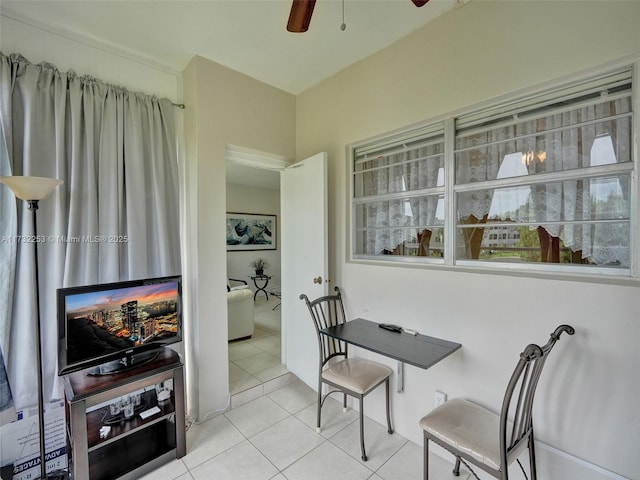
(399, 196)
(544, 181)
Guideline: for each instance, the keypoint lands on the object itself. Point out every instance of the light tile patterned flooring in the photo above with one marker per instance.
(269, 434)
(254, 361)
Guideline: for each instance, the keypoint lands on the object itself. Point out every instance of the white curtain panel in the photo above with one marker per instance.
(411, 170)
(7, 269)
(600, 137)
(116, 217)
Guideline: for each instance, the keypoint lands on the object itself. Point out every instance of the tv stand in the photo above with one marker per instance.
(135, 446)
(133, 360)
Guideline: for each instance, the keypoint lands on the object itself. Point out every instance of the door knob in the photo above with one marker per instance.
(317, 280)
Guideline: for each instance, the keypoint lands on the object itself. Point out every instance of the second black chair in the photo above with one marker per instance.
(492, 441)
(351, 376)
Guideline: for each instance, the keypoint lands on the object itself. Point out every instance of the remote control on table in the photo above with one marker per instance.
(391, 327)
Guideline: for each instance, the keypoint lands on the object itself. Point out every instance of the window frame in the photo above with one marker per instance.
(577, 84)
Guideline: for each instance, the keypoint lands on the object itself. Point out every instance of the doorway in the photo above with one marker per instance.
(253, 187)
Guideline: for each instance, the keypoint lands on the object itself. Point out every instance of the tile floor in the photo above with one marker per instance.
(256, 361)
(269, 432)
(273, 437)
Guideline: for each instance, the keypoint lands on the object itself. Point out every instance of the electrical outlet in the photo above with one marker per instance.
(441, 397)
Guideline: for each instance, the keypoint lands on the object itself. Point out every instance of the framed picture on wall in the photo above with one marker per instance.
(249, 231)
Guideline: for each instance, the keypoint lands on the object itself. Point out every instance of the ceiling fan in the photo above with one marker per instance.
(301, 11)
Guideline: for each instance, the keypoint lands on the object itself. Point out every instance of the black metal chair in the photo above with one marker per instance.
(485, 439)
(351, 376)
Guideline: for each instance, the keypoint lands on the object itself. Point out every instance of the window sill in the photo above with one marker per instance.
(599, 277)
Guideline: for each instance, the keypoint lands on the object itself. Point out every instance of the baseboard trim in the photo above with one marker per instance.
(601, 472)
(583, 463)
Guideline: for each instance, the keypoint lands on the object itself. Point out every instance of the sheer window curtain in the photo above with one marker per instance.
(569, 146)
(116, 152)
(407, 172)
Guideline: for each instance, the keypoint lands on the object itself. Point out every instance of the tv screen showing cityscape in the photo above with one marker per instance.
(101, 322)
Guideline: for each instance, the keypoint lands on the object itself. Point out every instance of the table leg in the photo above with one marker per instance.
(262, 288)
(258, 291)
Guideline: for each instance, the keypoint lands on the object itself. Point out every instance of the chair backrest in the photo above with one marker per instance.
(327, 311)
(519, 396)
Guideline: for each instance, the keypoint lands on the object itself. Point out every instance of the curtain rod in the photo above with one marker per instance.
(181, 106)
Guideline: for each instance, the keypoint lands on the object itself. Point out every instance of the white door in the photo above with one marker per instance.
(303, 204)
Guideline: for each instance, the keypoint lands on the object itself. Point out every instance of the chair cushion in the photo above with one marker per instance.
(468, 427)
(356, 374)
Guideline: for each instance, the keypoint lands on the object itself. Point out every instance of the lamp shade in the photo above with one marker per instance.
(31, 188)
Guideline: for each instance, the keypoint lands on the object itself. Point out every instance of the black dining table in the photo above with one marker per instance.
(418, 350)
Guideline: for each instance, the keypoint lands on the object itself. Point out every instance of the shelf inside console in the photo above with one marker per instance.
(124, 426)
(133, 451)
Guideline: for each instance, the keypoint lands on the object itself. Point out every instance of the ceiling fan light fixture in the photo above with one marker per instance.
(302, 10)
(300, 15)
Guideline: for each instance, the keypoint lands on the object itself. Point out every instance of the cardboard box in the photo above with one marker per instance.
(20, 443)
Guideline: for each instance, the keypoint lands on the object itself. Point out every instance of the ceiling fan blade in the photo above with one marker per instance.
(300, 15)
(419, 3)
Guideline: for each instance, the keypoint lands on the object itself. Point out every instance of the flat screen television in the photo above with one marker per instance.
(117, 326)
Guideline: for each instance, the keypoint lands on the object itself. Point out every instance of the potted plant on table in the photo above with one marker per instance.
(259, 264)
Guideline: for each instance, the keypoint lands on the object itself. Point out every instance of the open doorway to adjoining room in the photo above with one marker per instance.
(253, 189)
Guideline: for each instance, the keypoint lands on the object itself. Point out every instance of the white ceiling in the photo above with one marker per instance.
(248, 36)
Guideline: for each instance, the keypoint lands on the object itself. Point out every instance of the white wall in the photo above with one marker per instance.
(587, 399)
(38, 45)
(263, 201)
(224, 108)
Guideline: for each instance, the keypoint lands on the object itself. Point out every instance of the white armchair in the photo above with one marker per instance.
(240, 314)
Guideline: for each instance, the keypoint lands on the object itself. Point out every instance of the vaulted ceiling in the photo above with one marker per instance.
(248, 36)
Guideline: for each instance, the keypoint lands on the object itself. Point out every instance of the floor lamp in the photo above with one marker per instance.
(32, 190)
